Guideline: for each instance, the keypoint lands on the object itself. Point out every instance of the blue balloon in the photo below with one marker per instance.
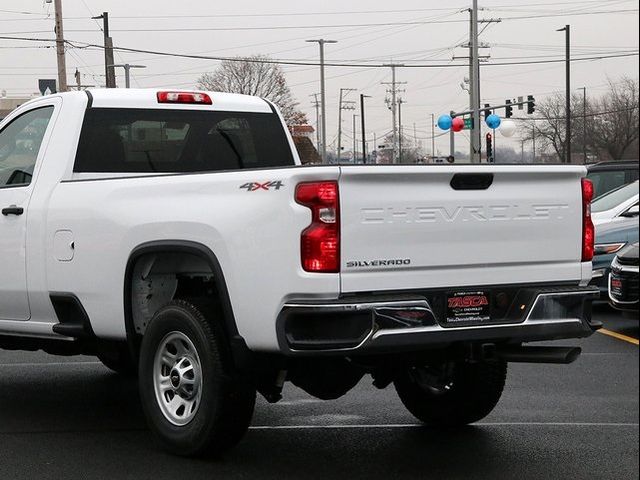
(444, 122)
(493, 121)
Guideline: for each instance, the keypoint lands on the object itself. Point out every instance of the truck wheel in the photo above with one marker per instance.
(194, 400)
(452, 394)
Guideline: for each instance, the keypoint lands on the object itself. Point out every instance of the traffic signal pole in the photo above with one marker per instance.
(492, 107)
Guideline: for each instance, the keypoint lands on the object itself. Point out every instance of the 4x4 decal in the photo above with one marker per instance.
(255, 186)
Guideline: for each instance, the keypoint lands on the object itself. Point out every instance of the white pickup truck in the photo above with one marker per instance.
(176, 236)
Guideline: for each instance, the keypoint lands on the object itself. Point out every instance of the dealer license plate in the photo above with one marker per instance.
(468, 308)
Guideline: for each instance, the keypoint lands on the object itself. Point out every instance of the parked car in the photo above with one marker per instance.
(623, 280)
(611, 237)
(176, 235)
(607, 176)
(621, 202)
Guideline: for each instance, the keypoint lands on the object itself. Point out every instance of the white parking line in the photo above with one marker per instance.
(418, 425)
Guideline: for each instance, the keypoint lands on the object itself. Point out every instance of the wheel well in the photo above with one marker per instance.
(163, 271)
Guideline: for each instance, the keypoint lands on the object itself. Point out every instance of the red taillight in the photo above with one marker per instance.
(184, 97)
(588, 230)
(320, 241)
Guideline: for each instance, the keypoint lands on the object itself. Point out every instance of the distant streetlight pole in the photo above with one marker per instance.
(533, 141)
(127, 75)
(567, 149)
(433, 136)
(364, 136)
(584, 124)
(323, 103)
(452, 140)
(355, 116)
(316, 104)
(400, 102)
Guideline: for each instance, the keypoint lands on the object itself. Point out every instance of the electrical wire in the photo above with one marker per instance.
(83, 45)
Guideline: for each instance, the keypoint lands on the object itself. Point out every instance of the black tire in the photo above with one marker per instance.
(119, 360)
(452, 394)
(227, 400)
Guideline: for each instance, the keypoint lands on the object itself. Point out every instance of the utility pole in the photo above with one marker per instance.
(343, 105)
(316, 104)
(364, 136)
(567, 36)
(62, 63)
(109, 71)
(474, 79)
(78, 79)
(584, 124)
(127, 75)
(393, 106)
(323, 101)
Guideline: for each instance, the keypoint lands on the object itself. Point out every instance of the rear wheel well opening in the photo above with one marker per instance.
(156, 277)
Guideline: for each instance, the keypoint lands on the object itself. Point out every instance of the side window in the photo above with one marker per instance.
(606, 181)
(19, 146)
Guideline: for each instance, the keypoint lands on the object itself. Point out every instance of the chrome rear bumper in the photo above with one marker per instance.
(408, 322)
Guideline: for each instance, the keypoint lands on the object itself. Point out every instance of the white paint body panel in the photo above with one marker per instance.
(526, 227)
(256, 235)
(607, 215)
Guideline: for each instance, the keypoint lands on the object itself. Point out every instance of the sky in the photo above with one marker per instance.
(423, 35)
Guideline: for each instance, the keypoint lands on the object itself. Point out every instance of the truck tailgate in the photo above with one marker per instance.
(407, 227)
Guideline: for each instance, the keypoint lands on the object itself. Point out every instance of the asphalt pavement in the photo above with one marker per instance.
(70, 418)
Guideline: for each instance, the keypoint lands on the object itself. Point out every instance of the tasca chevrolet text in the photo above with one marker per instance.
(176, 236)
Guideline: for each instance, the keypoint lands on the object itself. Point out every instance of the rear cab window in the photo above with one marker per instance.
(116, 140)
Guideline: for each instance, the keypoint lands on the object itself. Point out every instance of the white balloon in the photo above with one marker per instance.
(507, 128)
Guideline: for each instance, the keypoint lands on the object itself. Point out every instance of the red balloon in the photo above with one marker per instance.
(457, 124)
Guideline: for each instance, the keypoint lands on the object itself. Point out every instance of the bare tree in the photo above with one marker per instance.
(255, 76)
(411, 153)
(607, 128)
(615, 123)
(550, 127)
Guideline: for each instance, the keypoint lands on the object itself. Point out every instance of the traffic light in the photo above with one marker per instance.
(487, 110)
(531, 104)
(489, 139)
(508, 110)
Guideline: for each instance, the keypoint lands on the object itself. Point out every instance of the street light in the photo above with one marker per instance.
(364, 137)
(127, 76)
(584, 124)
(323, 103)
(567, 149)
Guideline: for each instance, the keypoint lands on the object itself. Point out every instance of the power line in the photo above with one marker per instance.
(506, 7)
(83, 45)
(324, 26)
(593, 114)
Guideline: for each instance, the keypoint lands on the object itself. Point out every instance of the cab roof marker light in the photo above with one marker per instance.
(184, 98)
